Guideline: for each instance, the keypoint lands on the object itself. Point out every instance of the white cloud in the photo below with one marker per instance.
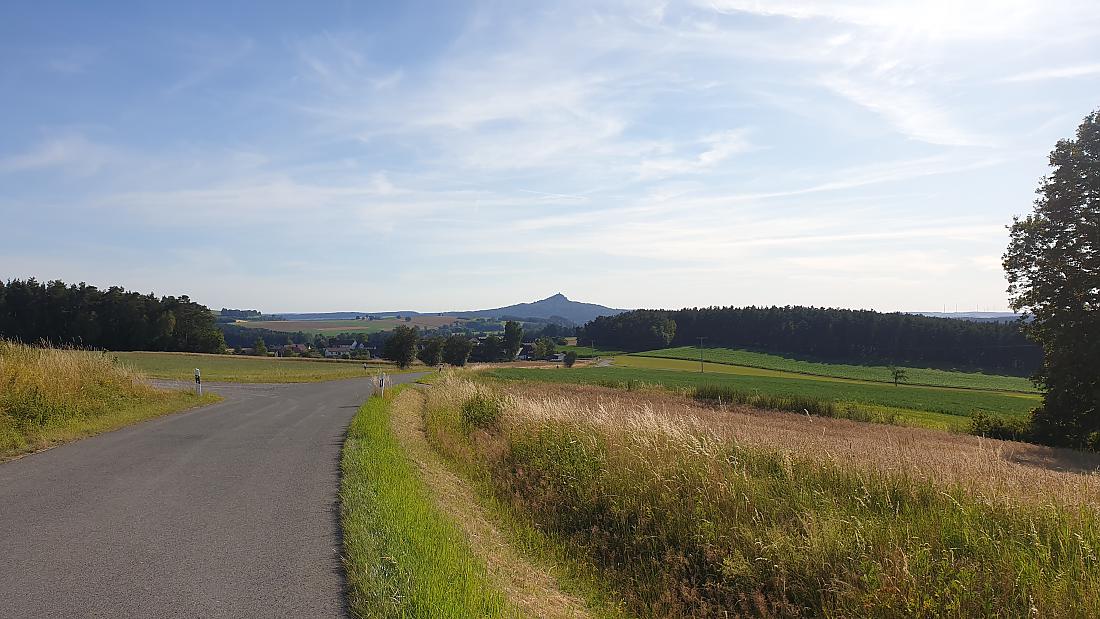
(1055, 73)
(72, 153)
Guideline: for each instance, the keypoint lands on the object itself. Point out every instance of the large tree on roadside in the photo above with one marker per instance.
(1053, 270)
(513, 339)
(401, 347)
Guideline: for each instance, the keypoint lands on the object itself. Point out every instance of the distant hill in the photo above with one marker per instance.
(556, 307)
(974, 316)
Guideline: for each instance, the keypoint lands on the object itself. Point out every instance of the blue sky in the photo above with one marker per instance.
(435, 156)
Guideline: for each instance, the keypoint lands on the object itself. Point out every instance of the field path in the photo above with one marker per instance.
(224, 511)
(532, 589)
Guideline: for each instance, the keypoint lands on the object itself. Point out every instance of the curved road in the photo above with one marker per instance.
(224, 511)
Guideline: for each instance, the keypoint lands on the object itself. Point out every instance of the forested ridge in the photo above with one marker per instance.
(110, 319)
(825, 333)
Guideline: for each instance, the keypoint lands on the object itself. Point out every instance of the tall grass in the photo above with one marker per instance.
(402, 556)
(50, 395)
(686, 521)
(792, 403)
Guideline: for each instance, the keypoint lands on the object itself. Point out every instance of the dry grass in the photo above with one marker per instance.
(1004, 470)
(532, 590)
(54, 395)
(695, 511)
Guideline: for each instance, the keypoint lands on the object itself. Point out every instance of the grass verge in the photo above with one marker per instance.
(402, 556)
(50, 396)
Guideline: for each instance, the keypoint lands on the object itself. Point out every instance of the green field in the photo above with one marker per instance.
(915, 376)
(587, 352)
(231, 368)
(937, 407)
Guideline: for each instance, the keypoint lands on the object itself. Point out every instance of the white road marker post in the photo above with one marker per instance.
(198, 381)
(382, 384)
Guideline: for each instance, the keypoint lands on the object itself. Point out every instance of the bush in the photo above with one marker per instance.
(570, 358)
(991, 426)
(481, 411)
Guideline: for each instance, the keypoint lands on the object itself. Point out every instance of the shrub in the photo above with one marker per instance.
(992, 426)
(570, 358)
(480, 411)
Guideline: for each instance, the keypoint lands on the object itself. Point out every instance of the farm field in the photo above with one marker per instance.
(588, 352)
(894, 521)
(935, 407)
(914, 375)
(231, 368)
(329, 327)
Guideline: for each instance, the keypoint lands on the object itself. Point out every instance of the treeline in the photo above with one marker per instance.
(826, 334)
(111, 319)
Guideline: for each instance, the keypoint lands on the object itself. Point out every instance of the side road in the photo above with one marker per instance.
(223, 511)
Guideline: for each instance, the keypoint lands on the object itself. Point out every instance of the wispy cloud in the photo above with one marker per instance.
(1055, 73)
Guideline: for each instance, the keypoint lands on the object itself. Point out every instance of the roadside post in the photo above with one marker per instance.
(382, 384)
(198, 381)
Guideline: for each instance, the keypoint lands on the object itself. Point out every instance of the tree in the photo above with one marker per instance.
(456, 350)
(513, 339)
(490, 349)
(259, 348)
(432, 351)
(401, 346)
(1053, 269)
(545, 348)
(570, 358)
(898, 374)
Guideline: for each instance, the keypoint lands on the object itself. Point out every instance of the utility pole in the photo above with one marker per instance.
(701, 353)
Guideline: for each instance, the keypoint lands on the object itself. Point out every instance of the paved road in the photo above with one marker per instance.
(224, 511)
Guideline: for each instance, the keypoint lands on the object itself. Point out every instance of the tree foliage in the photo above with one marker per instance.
(401, 345)
(431, 352)
(259, 347)
(513, 339)
(489, 350)
(823, 333)
(1053, 268)
(112, 319)
(545, 348)
(456, 350)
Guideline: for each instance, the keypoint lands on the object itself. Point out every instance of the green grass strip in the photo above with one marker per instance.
(402, 556)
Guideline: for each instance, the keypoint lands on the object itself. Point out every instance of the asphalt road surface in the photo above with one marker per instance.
(224, 511)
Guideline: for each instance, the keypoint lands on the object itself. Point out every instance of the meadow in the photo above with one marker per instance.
(52, 396)
(333, 327)
(588, 352)
(240, 369)
(933, 407)
(914, 375)
(690, 511)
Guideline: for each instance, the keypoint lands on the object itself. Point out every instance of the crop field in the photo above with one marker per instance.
(914, 376)
(662, 499)
(330, 327)
(588, 352)
(231, 368)
(936, 407)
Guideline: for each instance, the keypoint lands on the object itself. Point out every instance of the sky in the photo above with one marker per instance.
(438, 156)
